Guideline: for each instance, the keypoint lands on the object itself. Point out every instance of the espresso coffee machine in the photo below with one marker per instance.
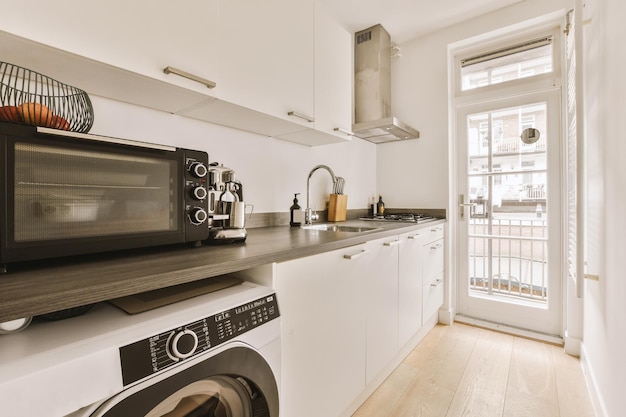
(227, 209)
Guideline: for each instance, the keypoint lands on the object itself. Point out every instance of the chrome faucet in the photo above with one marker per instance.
(309, 216)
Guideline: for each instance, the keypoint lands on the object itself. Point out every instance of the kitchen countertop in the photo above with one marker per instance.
(47, 286)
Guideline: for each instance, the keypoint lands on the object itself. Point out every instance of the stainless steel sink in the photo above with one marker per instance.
(339, 228)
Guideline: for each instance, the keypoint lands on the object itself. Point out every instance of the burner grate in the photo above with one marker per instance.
(402, 217)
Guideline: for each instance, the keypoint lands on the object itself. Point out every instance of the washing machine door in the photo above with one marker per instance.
(237, 382)
(218, 396)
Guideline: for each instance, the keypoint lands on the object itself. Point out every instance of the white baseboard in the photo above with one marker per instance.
(592, 385)
(572, 345)
(446, 316)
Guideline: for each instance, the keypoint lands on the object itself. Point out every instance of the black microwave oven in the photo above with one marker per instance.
(66, 193)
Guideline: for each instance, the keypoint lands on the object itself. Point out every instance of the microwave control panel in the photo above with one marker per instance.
(196, 193)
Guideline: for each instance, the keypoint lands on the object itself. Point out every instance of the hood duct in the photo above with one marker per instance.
(372, 90)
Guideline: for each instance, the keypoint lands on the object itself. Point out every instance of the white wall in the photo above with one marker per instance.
(270, 170)
(604, 341)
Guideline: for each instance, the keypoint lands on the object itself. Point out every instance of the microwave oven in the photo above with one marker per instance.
(66, 193)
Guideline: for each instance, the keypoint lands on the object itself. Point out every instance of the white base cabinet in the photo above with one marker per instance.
(322, 305)
(348, 314)
(433, 271)
(410, 263)
(381, 291)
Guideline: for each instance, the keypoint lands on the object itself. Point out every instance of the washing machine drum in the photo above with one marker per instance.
(235, 383)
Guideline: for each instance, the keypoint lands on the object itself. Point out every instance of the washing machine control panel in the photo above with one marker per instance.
(148, 356)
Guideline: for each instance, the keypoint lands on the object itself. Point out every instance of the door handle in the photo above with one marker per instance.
(192, 77)
(437, 282)
(392, 243)
(462, 205)
(344, 131)
(301, 116)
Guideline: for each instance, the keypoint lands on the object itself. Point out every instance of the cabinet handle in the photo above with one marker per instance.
(301, 116)
(344, 131)
(184, 74)
(392, 243)
(413, 237)
(436, 229)
(437, 282)
(355, 255)
(437, 246)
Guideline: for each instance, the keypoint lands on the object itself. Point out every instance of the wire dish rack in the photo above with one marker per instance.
(32, 98)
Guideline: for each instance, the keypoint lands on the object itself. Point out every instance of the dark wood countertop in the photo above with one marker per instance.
(44, 287)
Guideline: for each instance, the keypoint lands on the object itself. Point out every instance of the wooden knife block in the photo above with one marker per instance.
(337, 206)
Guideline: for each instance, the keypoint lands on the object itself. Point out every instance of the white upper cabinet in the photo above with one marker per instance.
(281, 68)
(286, 72)
(266, 67)
(333, 86)
(140, 37)
(333, 76)
(267, 56)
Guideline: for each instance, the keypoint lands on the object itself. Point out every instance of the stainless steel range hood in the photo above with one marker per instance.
(372, 90)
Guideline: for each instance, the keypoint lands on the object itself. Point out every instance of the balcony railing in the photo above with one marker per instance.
(506, 146)
(525, 193)
(509, 257)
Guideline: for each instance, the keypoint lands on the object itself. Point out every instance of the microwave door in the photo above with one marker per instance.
(69, 199)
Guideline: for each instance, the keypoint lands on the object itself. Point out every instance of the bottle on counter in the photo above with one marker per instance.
(374, 207)
(295, 212)
(380, 206)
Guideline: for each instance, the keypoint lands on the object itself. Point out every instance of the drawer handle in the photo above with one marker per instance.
(185, 74)
(392, 243)
(413, 237)
(437, 246)
(436, 229)
(355, 255)
(436, 283)
(301, 116)
(344, 131)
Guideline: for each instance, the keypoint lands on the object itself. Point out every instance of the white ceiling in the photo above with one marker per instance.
(409, 19)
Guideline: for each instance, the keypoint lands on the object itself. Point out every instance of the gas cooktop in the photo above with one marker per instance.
(402, 217)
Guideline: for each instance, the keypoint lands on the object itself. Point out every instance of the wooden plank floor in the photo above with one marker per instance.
(465, 371)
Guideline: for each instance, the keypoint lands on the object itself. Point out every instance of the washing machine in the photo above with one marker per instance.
(214, 355)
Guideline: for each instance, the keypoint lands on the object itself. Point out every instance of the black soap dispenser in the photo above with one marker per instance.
(295, 218)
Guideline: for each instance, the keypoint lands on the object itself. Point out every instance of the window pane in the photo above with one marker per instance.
(514, 66)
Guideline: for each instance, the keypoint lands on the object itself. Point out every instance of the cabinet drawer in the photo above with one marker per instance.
(433, 233)
(433, 260)
(432, 297)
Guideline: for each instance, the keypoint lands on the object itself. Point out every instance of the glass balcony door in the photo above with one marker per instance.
(510, 224)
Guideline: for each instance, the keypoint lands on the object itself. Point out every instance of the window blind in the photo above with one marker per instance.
(510, 50)
(575, 177)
